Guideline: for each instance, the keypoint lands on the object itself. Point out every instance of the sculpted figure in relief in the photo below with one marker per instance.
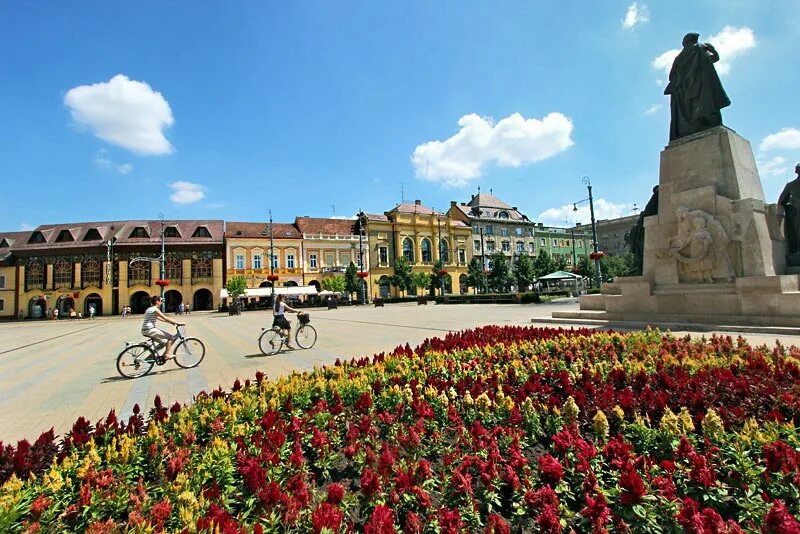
(701, 248)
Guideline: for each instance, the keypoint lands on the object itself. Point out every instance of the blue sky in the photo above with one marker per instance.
(225, 110)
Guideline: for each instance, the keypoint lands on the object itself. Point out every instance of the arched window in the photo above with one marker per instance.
(201, 268)
(503, 215)
(408, 249)
(425, 247)
(443, 253)
(34, 275)
(139, 273)
(62, 274)
(173, 270)
(90, 273)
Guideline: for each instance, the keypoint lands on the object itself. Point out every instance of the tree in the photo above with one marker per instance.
(236, 286)
(499, 278)
(421, 281)
(475, 276)
(352, 284)
(586, 267)
(438, 280)
(401, 278)
(618, 265)
(560, 263)
(543, 264)
(523, 272)
(335, 284)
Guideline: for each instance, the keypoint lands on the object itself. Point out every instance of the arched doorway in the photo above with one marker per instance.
(95, 301)
(265, 283)
(316, 285)
(383, 285)
(140, 301)
(65, 304)
(203, 300)
(37, 307)
(290, 283)
(463, 286)
(172, 299)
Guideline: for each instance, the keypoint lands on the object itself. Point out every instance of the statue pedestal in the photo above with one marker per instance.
(714, 253)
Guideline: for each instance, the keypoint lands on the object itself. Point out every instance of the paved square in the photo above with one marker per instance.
(53, 372)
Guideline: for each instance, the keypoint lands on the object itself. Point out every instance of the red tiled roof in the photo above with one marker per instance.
(409, 207)
(312, 225)
(261, 229)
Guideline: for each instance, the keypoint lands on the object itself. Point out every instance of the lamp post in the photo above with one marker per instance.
(271, 258)
(110, 270)
(598, 275)
(162, 260)
(362, 273)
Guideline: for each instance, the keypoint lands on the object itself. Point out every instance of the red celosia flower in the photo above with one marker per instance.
(618, 452)
(39, 505)
(412, 524)
(665, 487)
(549, 521)
(780, 457)
(497, 525)
(550, 469)
(335, 493)
(597, 511)
(328, 516)
(160, 512)
(632, 487)
(370, 484)
(779, 521)
(381, 521)
(450, 521)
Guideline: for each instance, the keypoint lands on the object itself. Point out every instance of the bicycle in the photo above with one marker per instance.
(272, 340)
(136, 360)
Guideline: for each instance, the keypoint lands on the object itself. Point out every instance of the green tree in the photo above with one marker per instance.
(475, 276)
(334, 283)
(236, 286)
(560, 263)
(619, 265)
(543, 264)
(437, 280)
(523, 272)
(499, 277)
(352, 283)
(401, 278)
(421, 281)
(586, 268)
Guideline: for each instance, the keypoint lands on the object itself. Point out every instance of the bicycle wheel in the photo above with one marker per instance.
(135, 361)
(306, 336)
(189, 352)
(270, 342)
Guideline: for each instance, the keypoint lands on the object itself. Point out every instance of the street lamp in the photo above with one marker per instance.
(362, 217)
(162, 260)
(271, 258)
(598, 275)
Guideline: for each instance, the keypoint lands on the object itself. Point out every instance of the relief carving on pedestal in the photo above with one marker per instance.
(700, 248)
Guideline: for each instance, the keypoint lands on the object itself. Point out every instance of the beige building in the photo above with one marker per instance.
(109, 265)
(421, 235)
(329, 246)
(247, 251)
(8, 275)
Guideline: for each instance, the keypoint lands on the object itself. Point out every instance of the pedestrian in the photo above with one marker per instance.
(20, 316)
(91, 311)
(55, 313)
(181, 308)
(186, 308)
(72, 314)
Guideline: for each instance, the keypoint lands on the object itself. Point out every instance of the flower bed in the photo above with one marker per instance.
(489, 430)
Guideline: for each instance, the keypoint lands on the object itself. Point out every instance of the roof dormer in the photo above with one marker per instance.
(171, 231)
(93, 234)
(64, 236)
(36, 237)
(4, 243)
(201, 231)
(140, 232)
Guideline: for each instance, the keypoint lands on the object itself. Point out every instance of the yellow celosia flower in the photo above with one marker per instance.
(712, 424)
(483, 401)
(686, 421)
(601, 426)
(670, 423)
(53, 480)
(571, 410)
(618, 412)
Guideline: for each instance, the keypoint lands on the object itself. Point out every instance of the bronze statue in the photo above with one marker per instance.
(635, 237)
(696, 94)
(790, 200)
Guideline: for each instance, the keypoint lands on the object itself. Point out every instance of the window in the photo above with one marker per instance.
(201, 268)
(240, 261)
(139, 273)
(173, 269)
(476, 229)
(569, 242)
(257, 261)
(345, 259)
(92, 235)
(2, 305)
(383, 255)
(139, 233)
(201, 231)
(408, 250)
(275, 263)
(171, 231)
(506, 246)
(560, 242)
(425, 247)
(462, 256)
(503, 215)
(2, 281)
(477, 245)
(530, 232)
(532, 248)
(544, 242)
(504, 231)
(62, 274)
(518, 232)
(90, 273)
(34, 275)
(580, 243)
(330, 259)
(37, 237)
(64, 236)
(444, 254)
(555, 242)
(290, 261)
(312, 261)
(490, 246)
(520, 246)
(489, 229)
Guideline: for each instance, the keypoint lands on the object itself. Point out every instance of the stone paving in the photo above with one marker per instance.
(53, 372)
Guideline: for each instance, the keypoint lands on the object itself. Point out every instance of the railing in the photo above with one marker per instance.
(332, 237)
(336, 269)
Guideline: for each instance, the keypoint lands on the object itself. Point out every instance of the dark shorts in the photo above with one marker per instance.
(281, 322)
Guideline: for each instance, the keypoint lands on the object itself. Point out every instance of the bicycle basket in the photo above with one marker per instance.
(304, 318)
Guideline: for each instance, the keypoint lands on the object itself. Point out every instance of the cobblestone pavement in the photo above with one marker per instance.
(53, 372)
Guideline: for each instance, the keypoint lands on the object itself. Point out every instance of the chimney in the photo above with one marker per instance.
(514, 208)
(452, 203)
(417, 202)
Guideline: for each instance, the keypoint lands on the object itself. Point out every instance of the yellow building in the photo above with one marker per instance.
(423, 236)
(247, 250)
(329, 246)
(8, 275)
(109, 265)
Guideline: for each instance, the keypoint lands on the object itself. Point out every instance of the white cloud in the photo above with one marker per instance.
(730, 43)
(25, 227)
(512, 142)
(635, 15)
(786, 139)
(775, 167)
(125, 168)
(566, 215)
(186, 192)
(652, 109)
(123, 112)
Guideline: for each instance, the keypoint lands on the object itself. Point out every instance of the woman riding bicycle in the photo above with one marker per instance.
(279, 310)
(151, 316)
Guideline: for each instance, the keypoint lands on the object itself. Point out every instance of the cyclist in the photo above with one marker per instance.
(279, 310)
(151, 316)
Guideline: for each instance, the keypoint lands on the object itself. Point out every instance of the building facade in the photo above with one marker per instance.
(496, 227)
(9, 308)
(110, 265)
(421, 235)
(247, 252)
(568, 244)
(329, 246)
(612, 233)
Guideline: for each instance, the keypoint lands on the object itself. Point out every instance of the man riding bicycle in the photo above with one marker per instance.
(151, 316)
(279, 310)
